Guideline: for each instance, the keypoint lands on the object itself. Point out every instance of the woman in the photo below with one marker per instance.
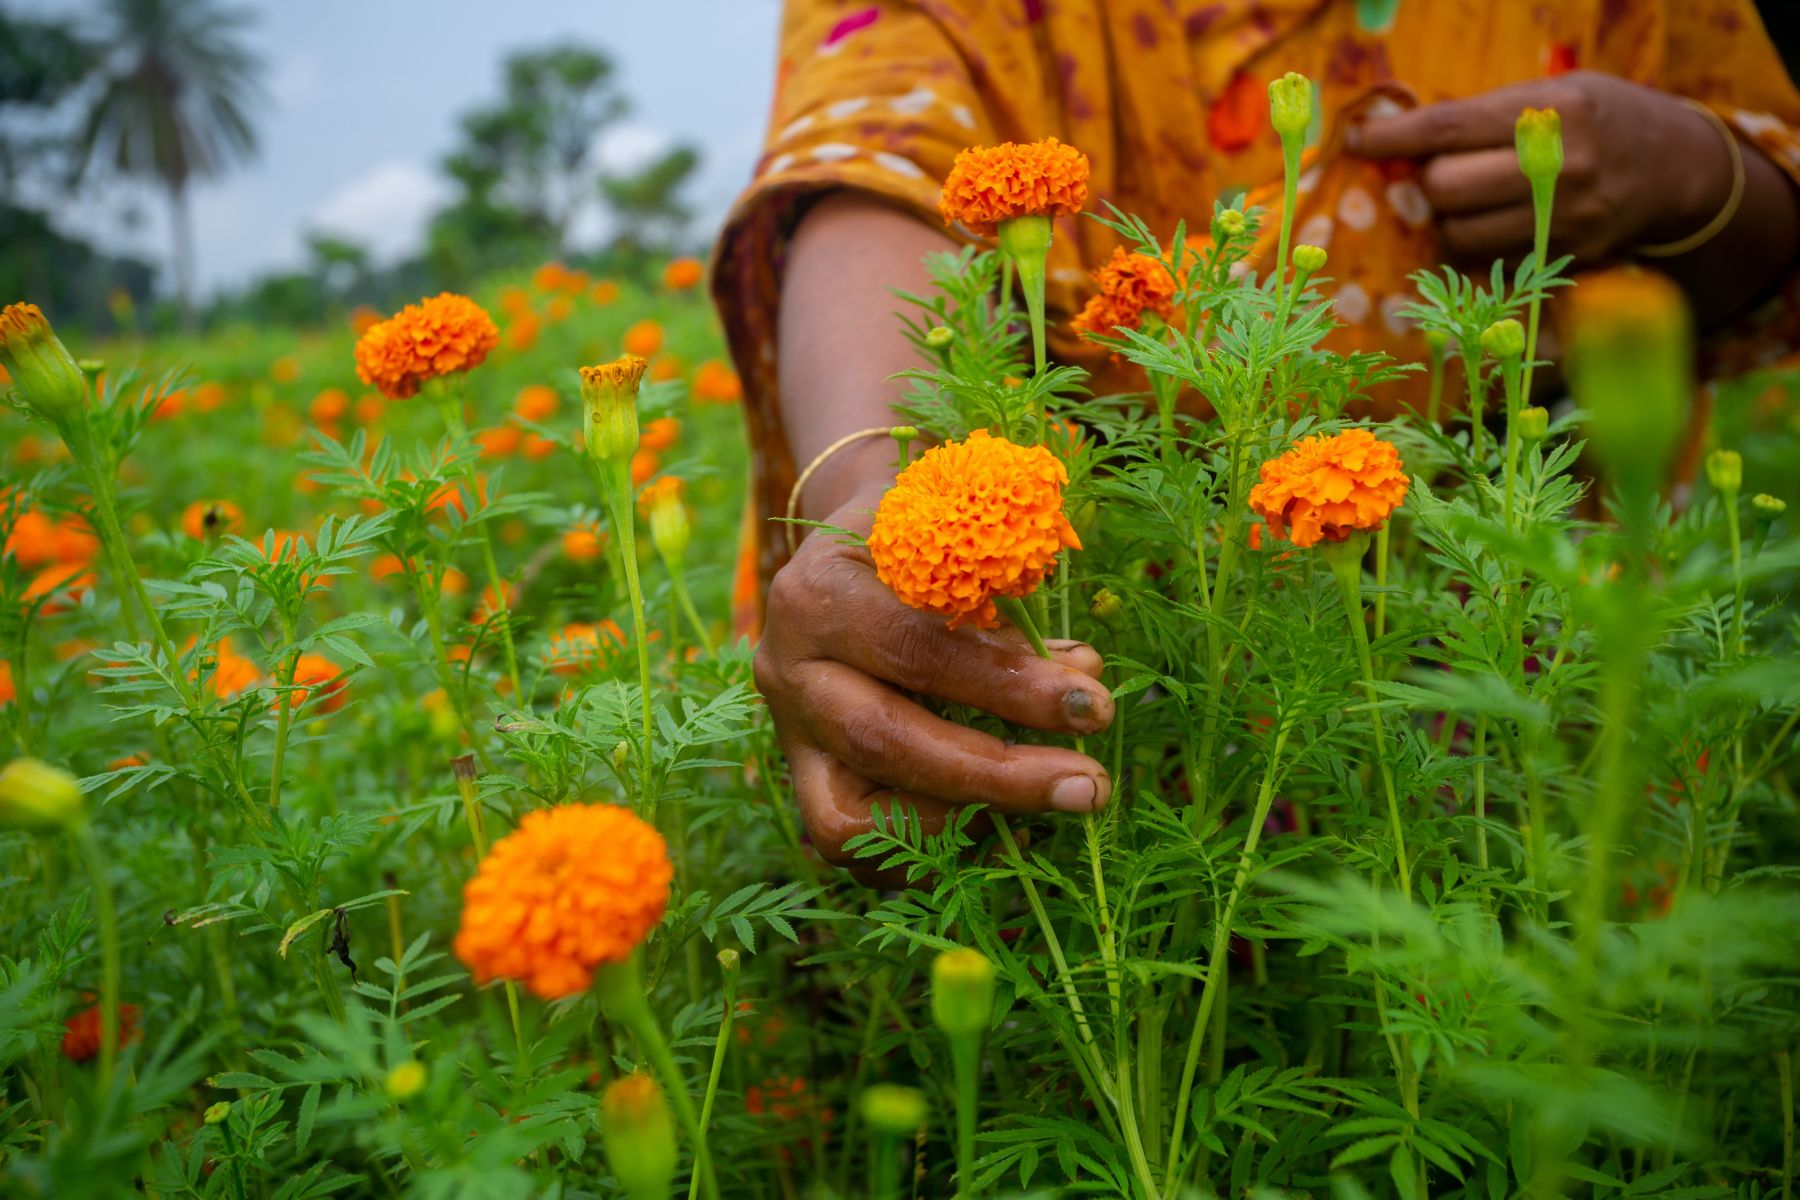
(1678, 124)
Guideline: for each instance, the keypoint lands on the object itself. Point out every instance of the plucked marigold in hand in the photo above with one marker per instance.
(990, 184)
(572, 888)
(1130, 286)
(440, 336)
(1326, 488)
(969, 521)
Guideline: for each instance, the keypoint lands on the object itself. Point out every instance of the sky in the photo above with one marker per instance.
(363, 98)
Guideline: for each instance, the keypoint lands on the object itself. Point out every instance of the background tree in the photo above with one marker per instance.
(172, 104)
(647, 205)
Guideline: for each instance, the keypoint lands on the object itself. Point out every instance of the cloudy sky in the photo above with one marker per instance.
(364, 95)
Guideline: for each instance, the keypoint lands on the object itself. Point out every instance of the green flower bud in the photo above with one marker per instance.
(621, 754)
(41, 366)
(217, 1113)
(1228, 223)
(939, 336)
(1435, 341)
(1533, 423)
(1725, 471)
(1290, 105)
(1766, 506)
(1504, 340)
(639, 1136)
(1107, 608)
(1308, 259)
(962, 992)
(1630, 366)
(609, 417)
(670, 528)
(892, 1109)
(36, 795)
(1537, 137)
(728, 961)
(406, 1080)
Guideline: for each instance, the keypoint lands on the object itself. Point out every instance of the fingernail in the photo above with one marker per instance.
(1078, 703)
(1076, 794)
(1353, 138)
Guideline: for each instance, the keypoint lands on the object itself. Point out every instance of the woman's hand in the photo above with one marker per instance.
(840, 662)
(1639, 166)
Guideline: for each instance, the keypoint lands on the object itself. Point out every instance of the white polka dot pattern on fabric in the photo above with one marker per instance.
(1408, 200)
(1352, 304)
(914, 102)
(840, 109)
(830, 152)
(898, 165)
(1316, 230)
(778, 164)
(1308, 181)
(1238, 269)
(797, 126)
(1355, 209)
(1757, 124)
(1391, 316)
(963, 116)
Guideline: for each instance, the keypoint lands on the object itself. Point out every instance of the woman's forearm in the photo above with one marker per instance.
(839, 338)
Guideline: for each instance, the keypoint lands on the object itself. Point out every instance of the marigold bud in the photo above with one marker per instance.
(1504, 340)
(1725, 471)
(621, 754)
(962, 992)
(1630, 367)
(1533, 423)
(216, 1114)
(609, 418)
(1290, 105)
(406, 1080)
(939, 336)
(1228, 223)
(1436, 340)
(36, 795)
(892, 1109)
(1767, 506)
(40, 365)
(728, 961)
(1107, 607)
(638, 1135)
(670, 529)
(1537, 137)
(1308, 259)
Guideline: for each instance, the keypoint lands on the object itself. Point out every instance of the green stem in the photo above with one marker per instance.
(1216, 962)
(616, 492)
(1347, 566)
(721, 1044)
(107, 918)
(1290, 190)
(678, 581)
(1510, 373)
(1434, 397)
(1036, 903)
(1025, 241)
(965, 1052)
(1737, 572)
(622, 998)
(1543, 194)
(285, 716)
(450, 405)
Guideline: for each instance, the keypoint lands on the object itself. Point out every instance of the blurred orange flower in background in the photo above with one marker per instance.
(522, 334)
(316, 674)
(204, 520)
(442, 335)
(499, 441)
(362, 319)
(644, 339)
(285, 369)
(581, 646)
(603, 293)
(536, 402)
(666, 368)
(584, 543)
(81, 1032)
(7, 690)
(660, 434)
(573, 887)
(716, 383)
(208, 396)
(682, 274)
(329, 406)
(560, 308)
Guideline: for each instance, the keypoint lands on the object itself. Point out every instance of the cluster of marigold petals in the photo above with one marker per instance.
(581, 646)
(1131, 285)
(439, 336)
(58, 551)
(574, 887)
(991, 184)
(970, 521)
(319, 679)
(1327, 488)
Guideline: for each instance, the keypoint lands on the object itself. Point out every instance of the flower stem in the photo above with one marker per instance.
(621, 991)
(720, 1045)
(1347, 566)
(450, 405)
(965, 1052)
(616, 492)
(106, 916)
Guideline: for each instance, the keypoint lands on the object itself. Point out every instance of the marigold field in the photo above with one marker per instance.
(390, 811)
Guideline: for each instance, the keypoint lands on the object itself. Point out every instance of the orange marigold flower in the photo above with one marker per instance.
(232, 672)
(329, 406)
(572, 888)
(536, 446)
(440, 336)
(206, 519)
(990, 184)
(208, 396)
(644, 339)
(285, 369)
(522, 334)
(660, 434)
(72, 578)
(81, 1032)
(603, 293)
(717, 383)
(969, 521)
(500, 441)
(514, 300)
(1130, 286)
(682, 274)
(580, 646)
(535, 402)
(1326, 488)
(7, 689)
(584, 543)
(316, 674)
(644, 464)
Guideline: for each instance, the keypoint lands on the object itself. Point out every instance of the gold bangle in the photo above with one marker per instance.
(1713, 227)
(793, 504)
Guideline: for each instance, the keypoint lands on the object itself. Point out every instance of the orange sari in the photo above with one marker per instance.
(1169, 100)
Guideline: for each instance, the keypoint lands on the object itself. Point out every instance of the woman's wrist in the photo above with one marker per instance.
(1698, 175)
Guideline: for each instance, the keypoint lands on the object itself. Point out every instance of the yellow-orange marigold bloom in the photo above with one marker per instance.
(968, 521)
(717, 383)
(572, 888)
(1327, 488)
(316, 673)
(585, 543)
(682, 274)
(329, 406)
(990, 184)
(660, 434)
(535, 402)
(549, 277)
(644, 339)
(205, 519)
(1130, 285)
(440, 336)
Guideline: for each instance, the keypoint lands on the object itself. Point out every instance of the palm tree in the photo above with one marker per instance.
(175, 82)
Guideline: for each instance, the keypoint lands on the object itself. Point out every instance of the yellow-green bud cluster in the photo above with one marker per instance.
(962, 992)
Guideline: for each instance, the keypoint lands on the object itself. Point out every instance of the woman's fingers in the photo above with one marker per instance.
(1484, 236)
(1475, 182)
(882, 736)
